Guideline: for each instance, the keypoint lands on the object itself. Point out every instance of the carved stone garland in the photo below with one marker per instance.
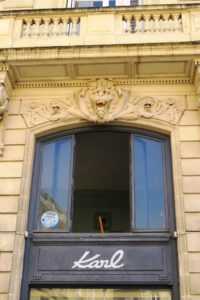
(3, 107)
(102, 102)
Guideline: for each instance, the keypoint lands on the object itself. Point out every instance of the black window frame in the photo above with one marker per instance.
(146, 236)
(167, 169)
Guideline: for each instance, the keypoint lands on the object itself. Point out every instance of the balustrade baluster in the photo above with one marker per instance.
(147, 27)
(128, 24)
(26, 31)
(59, 27)
(156, 23)
(176, 22)
(167, 23)
(55, 26)
(46, 27)
(162, 24)
(137, 24)
(171, 23)
(74, 21)
(34, 28)
(37, 30)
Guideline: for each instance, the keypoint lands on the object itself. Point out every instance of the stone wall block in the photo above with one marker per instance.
(4, 282)
(13, 153)
(190, 166)
(6, 241)
(192, 221)
(15, 122)
(191, 184)
(9, 204)
(9, 186)
(10, 169)
(190, 118)
(193, 242)
(5, 262)
(189, 133)
(195, 284)
(190, 149)
(192, 202)
(15, 137)
(8, 222)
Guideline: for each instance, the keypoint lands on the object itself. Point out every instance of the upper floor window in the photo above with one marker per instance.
(100, 3)
(103, 181)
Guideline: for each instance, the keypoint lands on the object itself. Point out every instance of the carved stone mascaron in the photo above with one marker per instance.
(102, 102)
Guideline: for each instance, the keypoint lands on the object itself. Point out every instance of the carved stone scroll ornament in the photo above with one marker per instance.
(102, 102)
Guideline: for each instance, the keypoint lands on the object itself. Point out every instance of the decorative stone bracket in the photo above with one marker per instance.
(102, 101)
(197, 80)
(3, 106)
(3, 100)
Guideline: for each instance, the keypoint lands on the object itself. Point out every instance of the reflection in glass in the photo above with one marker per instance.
(99, 294)
(148, 183)
(55, 184)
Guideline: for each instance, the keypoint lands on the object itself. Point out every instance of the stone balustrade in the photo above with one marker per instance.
(49, 27)
(102, 26)
(152, 23)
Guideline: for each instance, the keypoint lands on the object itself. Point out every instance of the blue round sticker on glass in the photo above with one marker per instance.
(49, 219)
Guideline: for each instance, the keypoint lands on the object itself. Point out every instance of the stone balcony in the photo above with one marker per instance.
(100, 26)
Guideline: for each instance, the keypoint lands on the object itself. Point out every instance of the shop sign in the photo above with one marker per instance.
(88, 261)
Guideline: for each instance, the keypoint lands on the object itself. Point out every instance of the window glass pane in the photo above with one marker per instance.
(148, 183)
(55, 184)
(99, 294)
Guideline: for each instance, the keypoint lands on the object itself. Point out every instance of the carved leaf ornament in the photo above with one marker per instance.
(102, 101)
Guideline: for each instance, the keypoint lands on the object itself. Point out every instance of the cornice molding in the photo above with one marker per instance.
(103, 101)
(83, 83)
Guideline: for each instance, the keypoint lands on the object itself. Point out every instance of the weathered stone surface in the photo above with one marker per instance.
(194, 284)
(190, 149)
(9, 186)
(191, 184)
(10, 169)
(4, 282)
(190, 166)
(189, 133)
(15, 137)
(12, 153)
(192, 221)
(5, 261)
(6, 241)
(9, 204)
(192, 202)
(8, 222)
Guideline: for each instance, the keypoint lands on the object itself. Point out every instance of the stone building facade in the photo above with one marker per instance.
(65, 69)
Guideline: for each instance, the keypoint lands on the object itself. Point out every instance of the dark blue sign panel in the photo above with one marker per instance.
(101, 263)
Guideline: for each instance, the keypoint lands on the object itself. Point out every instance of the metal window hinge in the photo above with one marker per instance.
(26, 234)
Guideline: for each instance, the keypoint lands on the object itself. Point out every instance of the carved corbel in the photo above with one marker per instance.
(3, 107)
(197, 81)
(3, 100)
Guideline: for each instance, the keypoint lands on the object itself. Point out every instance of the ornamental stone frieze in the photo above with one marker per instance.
(102, 101)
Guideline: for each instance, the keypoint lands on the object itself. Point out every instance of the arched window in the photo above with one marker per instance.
(108, 190)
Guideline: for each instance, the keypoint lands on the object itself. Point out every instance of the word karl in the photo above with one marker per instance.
(87, 262)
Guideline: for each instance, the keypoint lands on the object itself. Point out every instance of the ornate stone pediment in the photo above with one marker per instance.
(102, 101)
